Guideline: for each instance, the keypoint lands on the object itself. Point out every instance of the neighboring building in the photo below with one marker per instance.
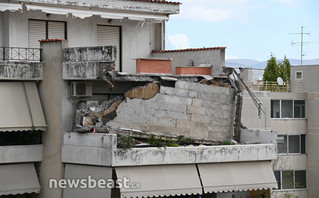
(291, 110)
(82, 43)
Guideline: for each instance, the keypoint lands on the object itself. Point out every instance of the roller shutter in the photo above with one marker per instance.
(56, 30)
(36, 31)
(110, 36)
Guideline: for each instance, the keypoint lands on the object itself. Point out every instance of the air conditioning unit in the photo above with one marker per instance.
(81, 89)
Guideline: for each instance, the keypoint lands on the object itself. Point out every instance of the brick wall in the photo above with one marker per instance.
(191, 109)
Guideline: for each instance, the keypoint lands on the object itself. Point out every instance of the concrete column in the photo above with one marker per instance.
(313, 144)
(51, 92)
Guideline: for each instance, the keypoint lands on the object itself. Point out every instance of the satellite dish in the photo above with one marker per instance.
(280, 81)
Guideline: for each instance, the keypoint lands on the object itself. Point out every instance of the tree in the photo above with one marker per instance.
(272, 70)
(275, 69)
(284, 70)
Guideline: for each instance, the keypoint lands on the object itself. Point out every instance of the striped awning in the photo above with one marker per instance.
(20, 106)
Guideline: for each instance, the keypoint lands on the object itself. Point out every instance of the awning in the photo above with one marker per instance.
(103, 14)
(9, 6)
(75, 172)
(237, 176)
(20, 106)
(164, 180)
(18, 179)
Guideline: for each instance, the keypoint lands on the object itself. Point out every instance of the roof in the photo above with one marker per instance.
(188, 50)
(158, 1)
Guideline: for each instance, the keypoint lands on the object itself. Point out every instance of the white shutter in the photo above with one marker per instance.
(56, 30)
(107, 36)
(36, 32)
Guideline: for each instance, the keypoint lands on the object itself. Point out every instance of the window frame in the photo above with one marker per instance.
(288, 144)
(293, 109)
(293, 178)
(296, 74)
(47, 27)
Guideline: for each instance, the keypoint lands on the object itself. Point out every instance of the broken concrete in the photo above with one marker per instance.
(144, 92)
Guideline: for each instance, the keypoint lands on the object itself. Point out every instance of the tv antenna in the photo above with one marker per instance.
(302, 43)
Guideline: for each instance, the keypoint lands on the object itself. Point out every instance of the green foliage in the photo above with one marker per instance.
(288, 195)
(275, 69)
(154, 141)
(126, 141)
(272, 70)
(228, 142)
(284, 70)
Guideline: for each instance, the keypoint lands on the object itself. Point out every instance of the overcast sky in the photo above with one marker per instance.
(248, 28)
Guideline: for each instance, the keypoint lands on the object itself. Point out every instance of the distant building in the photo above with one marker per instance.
(291, 110)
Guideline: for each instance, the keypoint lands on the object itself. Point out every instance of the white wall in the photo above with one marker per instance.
(1, 29)
(137, 40)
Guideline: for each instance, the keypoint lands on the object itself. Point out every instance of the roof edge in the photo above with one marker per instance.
(188, 50)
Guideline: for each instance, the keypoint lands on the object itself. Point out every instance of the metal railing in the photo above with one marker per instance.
(271, 86)
(20, 54)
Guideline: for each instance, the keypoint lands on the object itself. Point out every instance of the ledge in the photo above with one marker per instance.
(100, 149)
(21, 71)
(21, 153)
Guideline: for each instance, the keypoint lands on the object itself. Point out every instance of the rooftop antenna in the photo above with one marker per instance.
(302, 43)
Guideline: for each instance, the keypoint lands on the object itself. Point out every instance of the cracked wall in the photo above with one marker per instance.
(190, 109)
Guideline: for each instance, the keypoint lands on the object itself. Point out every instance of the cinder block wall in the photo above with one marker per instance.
(191, 109)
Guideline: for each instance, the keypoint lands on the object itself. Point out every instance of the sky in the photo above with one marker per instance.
(250, 29)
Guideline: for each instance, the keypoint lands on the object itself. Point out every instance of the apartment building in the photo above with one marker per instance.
(62, 74)
(291, 110)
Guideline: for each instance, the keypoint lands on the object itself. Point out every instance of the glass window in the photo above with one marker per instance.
(286, 109)
(303, 144)
(282, 143)
(299, 109)
(300, 179)
(299, 75)
(287, 180)
(278, 178)
(275, 109)
(294, 146)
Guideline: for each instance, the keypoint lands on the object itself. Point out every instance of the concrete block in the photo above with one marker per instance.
(171, 115)
(208, 96)
(181, 84)
(174, 91)
(159, 128)
(199, 134)
(197, 102)
(200, 118)
(169, 107)
(185, 124)
(173, 99)
(162, 122)
(192, 94)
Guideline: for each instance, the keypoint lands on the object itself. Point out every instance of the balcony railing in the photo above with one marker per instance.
(20, 54)
(272, 86)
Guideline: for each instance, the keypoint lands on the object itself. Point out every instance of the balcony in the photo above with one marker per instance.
(100, 149)
(21, 63)
(21, 153)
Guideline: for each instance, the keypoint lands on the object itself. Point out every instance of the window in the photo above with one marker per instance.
(291, 179)
(291, 144)
(41, 29)
(288, 109)
(298, 75)
(299, 109)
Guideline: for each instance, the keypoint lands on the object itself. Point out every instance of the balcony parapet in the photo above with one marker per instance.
(21, 153)
(100, 149)
(88, 63)
(21, 70)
